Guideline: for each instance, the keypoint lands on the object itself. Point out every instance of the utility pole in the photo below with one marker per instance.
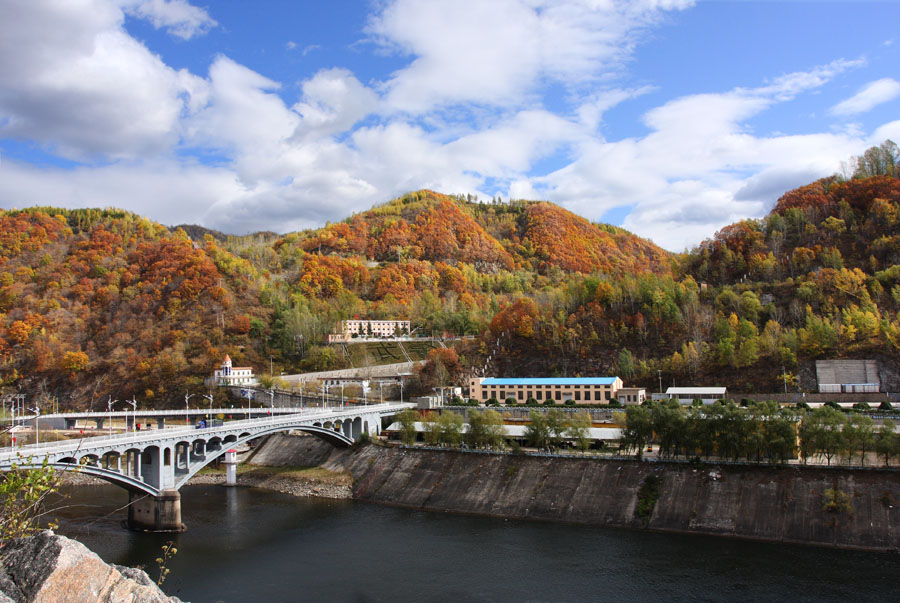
(37, 431)
(210, 398)
(784, 375)
(659, 372)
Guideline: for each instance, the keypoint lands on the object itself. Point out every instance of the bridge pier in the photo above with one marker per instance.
(155, 513)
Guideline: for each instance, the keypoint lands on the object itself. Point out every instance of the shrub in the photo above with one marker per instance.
(833, 405)
(550, 402)
(885, 406)
(837, 501)
(510, 400)
(802, 405)
(647, 494)
(492, 402)
(570, 402)
(615, 403)
(531, 402)
(861, 406)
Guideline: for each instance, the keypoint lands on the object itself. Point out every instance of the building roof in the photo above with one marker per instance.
(700, 391)
(227, 359)
(551, 381)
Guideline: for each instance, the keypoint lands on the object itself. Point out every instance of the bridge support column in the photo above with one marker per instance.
(155, 513)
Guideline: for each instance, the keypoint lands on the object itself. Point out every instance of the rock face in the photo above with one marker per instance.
(51, 568)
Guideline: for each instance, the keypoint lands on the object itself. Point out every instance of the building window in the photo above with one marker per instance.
(606, 395)
(519, 394)
(578, 396)
(558, 396)
(598, 395)
(539, 395)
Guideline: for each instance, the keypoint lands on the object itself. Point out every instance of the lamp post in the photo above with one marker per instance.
(133, 403)
(342, 394)
(659, 372)
(271, 369)
(187, 418)
(109, 405)
(210, 398)
(249, 397)
(381, 387)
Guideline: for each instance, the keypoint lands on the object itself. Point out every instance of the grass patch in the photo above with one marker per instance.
(648, 494)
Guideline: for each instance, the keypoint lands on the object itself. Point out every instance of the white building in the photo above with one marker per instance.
(233, 375)
(687, 395)
(369, 329)
(632, 395)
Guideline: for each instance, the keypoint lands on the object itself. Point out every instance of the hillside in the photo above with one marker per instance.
(105, 303)
(98, 303)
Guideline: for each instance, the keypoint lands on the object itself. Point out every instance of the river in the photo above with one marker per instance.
(245, 544)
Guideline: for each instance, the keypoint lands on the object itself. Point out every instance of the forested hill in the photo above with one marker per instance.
(521, 235)
(106, 303)
(99, 303)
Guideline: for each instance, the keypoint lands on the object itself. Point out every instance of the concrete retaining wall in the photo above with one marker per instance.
(782, 505)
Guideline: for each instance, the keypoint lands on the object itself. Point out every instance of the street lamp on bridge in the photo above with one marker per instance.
(109, 405)
(210, 398)
(133, 403)
(187, 418)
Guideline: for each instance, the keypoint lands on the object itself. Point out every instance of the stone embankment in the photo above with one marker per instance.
(810, 505)
(50, 568)
(293, 483)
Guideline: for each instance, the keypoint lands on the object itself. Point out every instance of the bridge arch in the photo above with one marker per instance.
(127, 482)
(329, 435)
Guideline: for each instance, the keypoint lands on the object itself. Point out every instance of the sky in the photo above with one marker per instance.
(671, 118)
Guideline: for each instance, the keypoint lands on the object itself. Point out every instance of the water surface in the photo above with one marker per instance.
(245, 544)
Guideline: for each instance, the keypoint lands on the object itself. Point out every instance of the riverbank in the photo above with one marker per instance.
(840, 508)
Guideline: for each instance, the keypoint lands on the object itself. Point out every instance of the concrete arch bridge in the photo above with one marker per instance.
(153, 466)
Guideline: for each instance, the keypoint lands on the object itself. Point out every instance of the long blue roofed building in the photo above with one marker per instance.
(581, 390)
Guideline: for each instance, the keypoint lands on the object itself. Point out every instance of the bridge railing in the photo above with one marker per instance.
(103, 441)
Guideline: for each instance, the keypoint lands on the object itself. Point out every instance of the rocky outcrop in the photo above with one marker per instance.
(51, 568)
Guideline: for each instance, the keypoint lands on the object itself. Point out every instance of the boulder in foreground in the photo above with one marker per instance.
(48, 567)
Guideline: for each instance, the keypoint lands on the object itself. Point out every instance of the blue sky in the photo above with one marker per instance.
(671, 118)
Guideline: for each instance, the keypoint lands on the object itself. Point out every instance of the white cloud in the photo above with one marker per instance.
(870, 96)
(495, 53)
(73, 80)
(179, 17)
(333, 101)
